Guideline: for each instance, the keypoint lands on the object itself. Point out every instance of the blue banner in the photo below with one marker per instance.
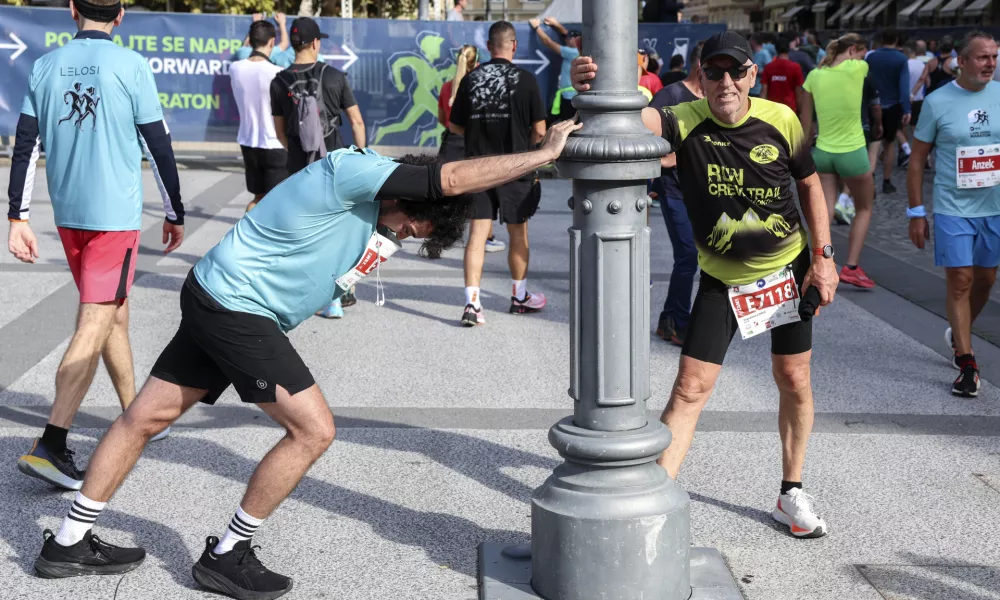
(396, 68)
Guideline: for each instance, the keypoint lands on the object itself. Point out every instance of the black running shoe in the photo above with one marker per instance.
(89, 556)
(348, 299)
(902, 159)
(667, 330)
(238, 573)
(967, 384)
(888, 188)
(57, 468)
(473, 316)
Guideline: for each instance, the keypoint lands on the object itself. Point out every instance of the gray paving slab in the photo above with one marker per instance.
(412, 506)
(19, 293)
(934, 582)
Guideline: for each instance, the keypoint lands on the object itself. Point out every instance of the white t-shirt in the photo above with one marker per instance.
(916, 70)
(454, 15)
(251, 81)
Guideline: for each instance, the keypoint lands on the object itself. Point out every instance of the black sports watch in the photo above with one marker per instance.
(826, 251)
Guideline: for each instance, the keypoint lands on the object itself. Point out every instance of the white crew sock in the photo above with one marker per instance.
(79, 520)
(241, 527)
(906, 148)
(472, 296)
(519, 288)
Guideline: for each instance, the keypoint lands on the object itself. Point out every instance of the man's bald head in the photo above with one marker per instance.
(503, 39)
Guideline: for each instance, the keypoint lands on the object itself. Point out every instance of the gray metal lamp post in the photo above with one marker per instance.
(422, 10)
(608, 523)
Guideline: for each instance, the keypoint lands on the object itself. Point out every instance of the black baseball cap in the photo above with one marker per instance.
(304, 31)
(727, 43)
(572, 33)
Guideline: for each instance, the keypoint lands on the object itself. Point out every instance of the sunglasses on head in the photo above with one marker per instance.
(717, 73)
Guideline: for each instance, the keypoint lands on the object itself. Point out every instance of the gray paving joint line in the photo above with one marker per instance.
(58, 309)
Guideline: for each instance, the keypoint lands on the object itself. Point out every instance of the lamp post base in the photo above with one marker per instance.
(505, 574)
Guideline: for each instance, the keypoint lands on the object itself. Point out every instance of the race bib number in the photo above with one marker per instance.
(977, 166)
(379, 249)
(766, 303)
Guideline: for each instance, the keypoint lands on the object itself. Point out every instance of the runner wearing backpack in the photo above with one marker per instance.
(308, 99)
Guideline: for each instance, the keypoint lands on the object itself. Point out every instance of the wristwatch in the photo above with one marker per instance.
(826, 251)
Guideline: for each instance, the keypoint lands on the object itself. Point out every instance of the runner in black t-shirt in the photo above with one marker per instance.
(335, 99)
(499, 111)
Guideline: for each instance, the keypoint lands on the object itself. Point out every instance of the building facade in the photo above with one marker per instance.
(517, 10)
(843, 15)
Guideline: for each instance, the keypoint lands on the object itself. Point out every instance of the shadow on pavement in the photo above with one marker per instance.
(754, 514)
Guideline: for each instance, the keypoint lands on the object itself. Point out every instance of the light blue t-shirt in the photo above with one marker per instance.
(88, 97)
(954, 118)
(761, 58)
(282, 258)
(282, 58)
(568, 53)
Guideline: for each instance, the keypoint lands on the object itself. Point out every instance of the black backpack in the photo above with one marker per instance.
(310, 123)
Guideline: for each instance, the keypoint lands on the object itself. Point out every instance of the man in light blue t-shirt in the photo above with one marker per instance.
(962, 122)
(282, 54)
(93, 107)
(562, 103)
(311, 238)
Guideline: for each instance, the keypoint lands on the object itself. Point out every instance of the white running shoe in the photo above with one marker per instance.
(795, 510)
(495, 245)
(160, 436)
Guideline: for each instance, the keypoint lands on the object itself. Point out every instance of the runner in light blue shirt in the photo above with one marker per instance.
(282, 54)
(961, 121)
(562, 105)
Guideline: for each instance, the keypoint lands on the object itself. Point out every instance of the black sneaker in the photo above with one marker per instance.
(473, 316)
(57, 468)
(89, 556)
(888, 188)
(238, 573)
(967, 384)
(902, 159)
(668, 331)
(348, 299)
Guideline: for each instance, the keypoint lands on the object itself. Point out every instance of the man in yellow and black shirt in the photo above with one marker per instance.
(736, 159)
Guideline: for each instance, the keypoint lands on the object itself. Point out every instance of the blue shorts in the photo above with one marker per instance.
(966, 241)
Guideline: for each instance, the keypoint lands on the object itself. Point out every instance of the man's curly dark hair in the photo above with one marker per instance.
(448, 216)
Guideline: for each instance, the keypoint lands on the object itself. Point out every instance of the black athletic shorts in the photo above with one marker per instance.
(915, 107)
(892, 121)
(513, 202)
(713, 324)
(265, 168)
(215, 347)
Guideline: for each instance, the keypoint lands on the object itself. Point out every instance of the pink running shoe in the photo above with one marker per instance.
(532, 303)
(856, 277)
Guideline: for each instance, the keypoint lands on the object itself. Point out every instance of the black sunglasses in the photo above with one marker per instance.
(717, 73)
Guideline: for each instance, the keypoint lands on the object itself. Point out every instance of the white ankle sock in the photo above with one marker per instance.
(472, 296)
(519, 288)
(906, 148)
(241, 527)
(80, 519)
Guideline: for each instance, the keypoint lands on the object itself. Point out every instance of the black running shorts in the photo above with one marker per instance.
(215, 347)
(713, 323)
(892, 121)
(513, 202)
(265, 168)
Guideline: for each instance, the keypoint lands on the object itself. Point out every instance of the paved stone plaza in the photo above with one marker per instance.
(442, 430)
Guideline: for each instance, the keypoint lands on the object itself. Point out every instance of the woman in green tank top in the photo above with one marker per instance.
(835, 89)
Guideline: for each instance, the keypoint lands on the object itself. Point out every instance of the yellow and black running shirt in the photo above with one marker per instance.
(736, 181)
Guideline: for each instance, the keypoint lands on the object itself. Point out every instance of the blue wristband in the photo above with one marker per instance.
(917, 212)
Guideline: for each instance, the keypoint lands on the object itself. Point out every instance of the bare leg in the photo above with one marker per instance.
(159, 404)
(518, 253)
(829, 183)
(309, 431)
(256, 198)
(863, 190)
(475, 251)
(888, 160)
(795, 413)
(873, 149)
(983, 279)
(694, 384)
(118, 357)
(76, 371)
(958, 281)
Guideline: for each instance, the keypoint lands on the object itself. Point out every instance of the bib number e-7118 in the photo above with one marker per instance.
(767, 303)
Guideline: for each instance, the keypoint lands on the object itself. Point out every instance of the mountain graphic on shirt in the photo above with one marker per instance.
(721, 238)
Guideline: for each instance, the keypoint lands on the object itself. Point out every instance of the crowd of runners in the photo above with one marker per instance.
(772, 139)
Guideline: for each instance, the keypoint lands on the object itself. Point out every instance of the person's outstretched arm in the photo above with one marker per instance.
(480, 174)
(282, 31)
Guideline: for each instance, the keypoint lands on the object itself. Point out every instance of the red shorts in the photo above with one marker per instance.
(102, 262)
